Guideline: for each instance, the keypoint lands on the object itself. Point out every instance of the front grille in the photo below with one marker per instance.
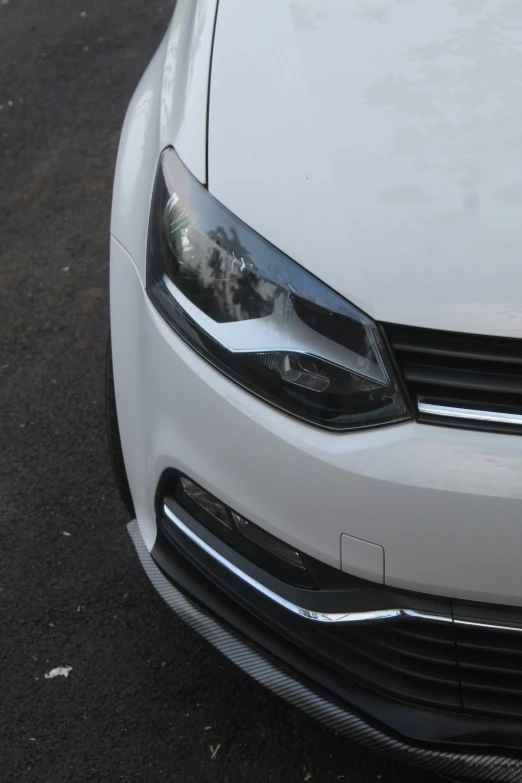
(464, 371)
(437, 664)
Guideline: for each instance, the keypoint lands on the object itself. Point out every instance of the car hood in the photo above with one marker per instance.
(379, 144)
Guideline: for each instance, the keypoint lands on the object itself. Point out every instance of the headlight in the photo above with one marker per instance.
(259, 317)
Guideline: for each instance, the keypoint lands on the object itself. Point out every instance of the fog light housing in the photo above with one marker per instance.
(247, 538)
(206, 501)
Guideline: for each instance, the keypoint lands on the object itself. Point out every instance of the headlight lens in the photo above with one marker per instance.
(258, 316)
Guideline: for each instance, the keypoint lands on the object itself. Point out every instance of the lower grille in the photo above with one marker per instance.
(409, 660)
(490, 670)
(463, 763)
(444, 665)
(462, 371)
(449, 654)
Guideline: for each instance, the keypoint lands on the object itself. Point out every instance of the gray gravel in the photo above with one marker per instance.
(146, 699)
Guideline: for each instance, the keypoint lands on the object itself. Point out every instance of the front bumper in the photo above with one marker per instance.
(271, 658)
(444, 505)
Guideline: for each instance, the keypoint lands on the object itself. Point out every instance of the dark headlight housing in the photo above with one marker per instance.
(258, 316)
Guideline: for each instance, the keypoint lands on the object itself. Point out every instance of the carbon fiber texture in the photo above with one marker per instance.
(462, 765)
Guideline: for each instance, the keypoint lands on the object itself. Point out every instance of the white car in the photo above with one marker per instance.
(315, 390)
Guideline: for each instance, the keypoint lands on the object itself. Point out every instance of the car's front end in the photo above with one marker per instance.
(316, 335)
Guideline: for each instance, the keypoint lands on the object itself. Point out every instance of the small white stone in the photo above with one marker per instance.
(60, 671)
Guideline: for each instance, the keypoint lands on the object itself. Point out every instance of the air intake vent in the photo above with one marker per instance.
(461, 380)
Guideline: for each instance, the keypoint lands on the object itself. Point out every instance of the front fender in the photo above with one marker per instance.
(169, 107)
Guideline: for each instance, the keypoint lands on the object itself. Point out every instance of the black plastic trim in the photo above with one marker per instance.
(186, 568)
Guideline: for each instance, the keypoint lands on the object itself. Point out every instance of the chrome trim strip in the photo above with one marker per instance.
(467, 413)
(325, 617)
(489, 626)
(309, 614)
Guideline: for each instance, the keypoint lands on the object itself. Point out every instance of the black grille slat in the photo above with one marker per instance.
(432, 669)
(458, 344)
(462, 379)
(500, 647)
(423, 653)
(430, 632)
(475, 372)
(494, 669)
(451, 352)
(495, 685)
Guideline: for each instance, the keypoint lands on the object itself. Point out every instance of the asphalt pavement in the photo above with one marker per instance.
(146, 698)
